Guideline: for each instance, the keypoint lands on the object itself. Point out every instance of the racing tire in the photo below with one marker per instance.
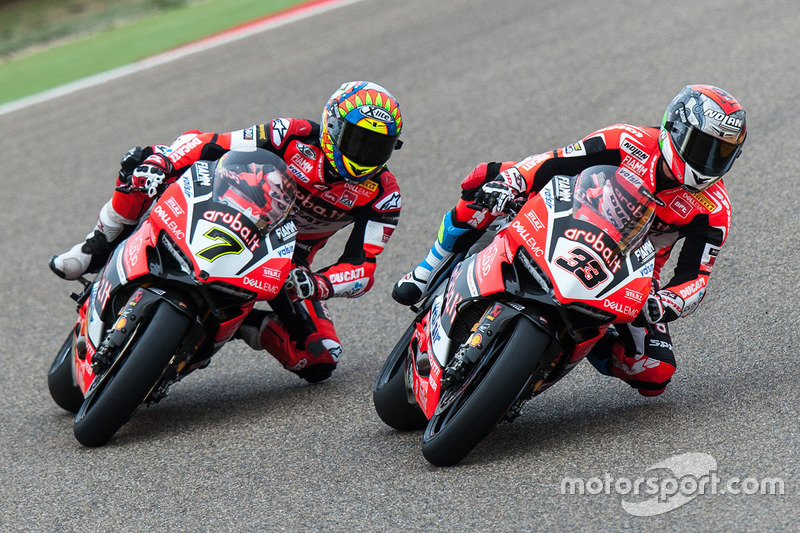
(492, 391)
(389, 392)
(61, 381)
(108, 407)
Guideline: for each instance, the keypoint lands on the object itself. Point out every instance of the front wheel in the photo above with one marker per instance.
(60, 379)
(117, 398)
(389, 392)
(476, 409)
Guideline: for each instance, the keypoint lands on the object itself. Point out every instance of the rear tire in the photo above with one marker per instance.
(61, 381)
(110, 406)
(453, 433)
(389, 392)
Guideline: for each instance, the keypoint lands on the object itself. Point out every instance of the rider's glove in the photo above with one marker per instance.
(654, 308)
(302, 284)
(132, 159)
(151, 174)
(662, 306)
(494, 196)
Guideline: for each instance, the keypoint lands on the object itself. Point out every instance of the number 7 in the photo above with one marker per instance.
(229, 245)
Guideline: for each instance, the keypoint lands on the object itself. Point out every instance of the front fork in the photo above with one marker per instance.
(431, 391)
(495, 322)
(139, 308)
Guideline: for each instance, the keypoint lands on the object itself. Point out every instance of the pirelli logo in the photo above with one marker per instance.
(369, 185)
(705, 201)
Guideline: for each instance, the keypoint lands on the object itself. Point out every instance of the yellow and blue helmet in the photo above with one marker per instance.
(361, 126)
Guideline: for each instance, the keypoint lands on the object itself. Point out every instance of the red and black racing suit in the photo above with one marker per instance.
(325, 204)
(643, 356)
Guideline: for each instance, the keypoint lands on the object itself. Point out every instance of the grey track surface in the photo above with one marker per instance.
(246, 446)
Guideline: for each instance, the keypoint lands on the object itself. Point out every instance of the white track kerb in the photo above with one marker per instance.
(306, 10)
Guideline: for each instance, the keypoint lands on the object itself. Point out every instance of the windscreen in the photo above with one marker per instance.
(616, 201)
(256, 184)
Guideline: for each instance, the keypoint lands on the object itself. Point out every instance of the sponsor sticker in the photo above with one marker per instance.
(575, 149)
(391, 202)
(279, 128)
(634, 150)
(705, 201)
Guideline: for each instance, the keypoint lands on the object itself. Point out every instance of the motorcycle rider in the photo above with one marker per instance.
(341, 177)
(683, 161)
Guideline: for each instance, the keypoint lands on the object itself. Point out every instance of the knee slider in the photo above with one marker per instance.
(317, 373)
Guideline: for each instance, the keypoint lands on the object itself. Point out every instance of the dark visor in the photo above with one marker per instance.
(707, 154)
(360, 145)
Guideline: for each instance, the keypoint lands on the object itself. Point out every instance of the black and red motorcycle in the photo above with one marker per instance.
(175, 291)
(505, 321)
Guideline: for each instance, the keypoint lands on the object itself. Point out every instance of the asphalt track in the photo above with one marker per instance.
(245, 446)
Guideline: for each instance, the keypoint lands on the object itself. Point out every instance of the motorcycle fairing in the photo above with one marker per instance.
(475, 277)
(217, 239)
(580, 258)
(439, 339)
(222, 239)
(107, 284)
(428, 341)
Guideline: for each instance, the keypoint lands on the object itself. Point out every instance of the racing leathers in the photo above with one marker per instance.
(299, 333)
(642, 355)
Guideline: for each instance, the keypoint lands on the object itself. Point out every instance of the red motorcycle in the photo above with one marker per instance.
(174, 292)
(508, 319)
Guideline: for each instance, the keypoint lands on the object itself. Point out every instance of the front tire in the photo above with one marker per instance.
(389, 392)
(61, 381)
(454, 432)
(110, 406)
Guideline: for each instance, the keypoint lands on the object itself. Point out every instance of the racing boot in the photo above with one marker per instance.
(450, 240)
(409, 289)
(94, 251)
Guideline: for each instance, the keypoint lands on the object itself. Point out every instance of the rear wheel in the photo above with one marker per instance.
(61, 381)
(118, 396)
(474, 410)
(389, 392)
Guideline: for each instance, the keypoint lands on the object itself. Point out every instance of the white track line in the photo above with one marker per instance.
(283, 18)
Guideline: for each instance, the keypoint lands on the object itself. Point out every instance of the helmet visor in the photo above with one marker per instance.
(360, 145)
(707, 154)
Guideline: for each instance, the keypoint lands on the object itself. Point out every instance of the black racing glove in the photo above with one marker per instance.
(494, 196)
(302, 284)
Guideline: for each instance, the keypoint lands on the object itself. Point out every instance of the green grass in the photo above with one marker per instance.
(119, 46)
(34, 23)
